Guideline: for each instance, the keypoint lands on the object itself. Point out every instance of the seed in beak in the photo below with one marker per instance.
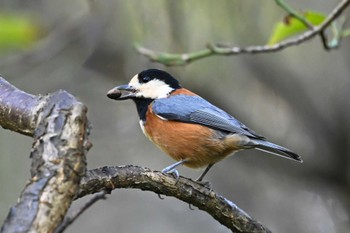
(114, 94)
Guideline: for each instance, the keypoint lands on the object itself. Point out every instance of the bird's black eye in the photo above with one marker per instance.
(146, 79)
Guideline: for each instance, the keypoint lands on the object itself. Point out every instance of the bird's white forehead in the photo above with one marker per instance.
(153, 89)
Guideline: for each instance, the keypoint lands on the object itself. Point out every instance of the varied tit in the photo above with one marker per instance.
(187, 127)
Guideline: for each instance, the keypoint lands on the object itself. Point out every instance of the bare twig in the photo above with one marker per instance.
(324, 40)
(338, 32)
(223, 210)
(170, 59)
(69, 220)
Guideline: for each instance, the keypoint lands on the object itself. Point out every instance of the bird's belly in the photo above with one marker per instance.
(197, 144)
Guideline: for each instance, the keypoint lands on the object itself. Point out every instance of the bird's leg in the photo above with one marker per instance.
(200, 178)
(171, 169)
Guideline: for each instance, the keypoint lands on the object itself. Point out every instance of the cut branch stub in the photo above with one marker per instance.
(17, 109)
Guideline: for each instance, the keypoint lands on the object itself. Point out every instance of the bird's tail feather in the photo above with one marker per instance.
(276, 150)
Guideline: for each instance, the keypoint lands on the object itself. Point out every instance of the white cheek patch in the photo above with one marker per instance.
(154, 89)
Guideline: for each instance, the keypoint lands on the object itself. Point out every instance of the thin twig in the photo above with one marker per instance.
(69, 220)
(324, 40)
(330, 19)
(170, 59)
(338, 32)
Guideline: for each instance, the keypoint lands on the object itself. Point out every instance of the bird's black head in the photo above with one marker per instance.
(148, 84)
(154, 74)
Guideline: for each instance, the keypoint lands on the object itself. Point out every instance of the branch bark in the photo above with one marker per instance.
(59, 126)
(223, 210)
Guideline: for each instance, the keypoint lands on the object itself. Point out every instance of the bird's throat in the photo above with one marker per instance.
(142, 106)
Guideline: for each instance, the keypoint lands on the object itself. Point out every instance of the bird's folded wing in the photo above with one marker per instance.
(196, 110)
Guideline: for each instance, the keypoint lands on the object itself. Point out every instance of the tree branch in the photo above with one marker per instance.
(223, 210)
(18, 109)
(170, 59)
(59, 125)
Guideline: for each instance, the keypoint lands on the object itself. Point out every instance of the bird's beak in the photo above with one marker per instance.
(116, 93)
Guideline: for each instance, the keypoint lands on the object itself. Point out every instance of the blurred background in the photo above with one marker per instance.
(298, 98)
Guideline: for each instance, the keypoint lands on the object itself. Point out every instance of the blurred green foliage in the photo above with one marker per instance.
(17, 32)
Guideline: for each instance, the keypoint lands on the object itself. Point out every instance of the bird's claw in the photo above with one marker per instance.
(191, 207)
(160, 196)
(173, 172)
(205, 184)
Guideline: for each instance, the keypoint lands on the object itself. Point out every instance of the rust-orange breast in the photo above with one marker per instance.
(197, 144)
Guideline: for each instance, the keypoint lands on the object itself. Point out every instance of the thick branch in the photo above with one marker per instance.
(18, 109)
(223, 210)
(170, 59)
(58, 155)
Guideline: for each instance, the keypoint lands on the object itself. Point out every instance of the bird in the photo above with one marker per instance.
(191, 130)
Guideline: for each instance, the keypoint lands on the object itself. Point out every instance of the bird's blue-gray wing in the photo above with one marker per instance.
(194, 109)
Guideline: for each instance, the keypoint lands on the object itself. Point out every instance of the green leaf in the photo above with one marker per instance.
(291, 26)
(17, 31)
